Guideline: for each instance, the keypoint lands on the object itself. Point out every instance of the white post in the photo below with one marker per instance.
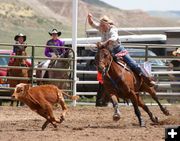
(74, 41)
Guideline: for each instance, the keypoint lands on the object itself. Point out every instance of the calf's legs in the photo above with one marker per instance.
(64, 108)
(47, 113)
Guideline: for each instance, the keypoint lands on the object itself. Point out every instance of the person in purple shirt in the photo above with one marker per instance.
(55, 41)
(52, 52)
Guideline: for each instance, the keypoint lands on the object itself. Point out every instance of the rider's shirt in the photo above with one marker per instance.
(111, 34)
(57, 51)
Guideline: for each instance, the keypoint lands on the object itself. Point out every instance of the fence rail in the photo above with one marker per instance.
(34, 59)
(165, 84)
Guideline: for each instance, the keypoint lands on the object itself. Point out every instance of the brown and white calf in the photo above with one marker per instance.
(41, 99)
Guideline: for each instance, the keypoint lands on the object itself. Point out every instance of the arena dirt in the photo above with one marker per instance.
(85, 123)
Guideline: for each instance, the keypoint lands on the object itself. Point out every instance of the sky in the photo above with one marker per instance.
(146, 5)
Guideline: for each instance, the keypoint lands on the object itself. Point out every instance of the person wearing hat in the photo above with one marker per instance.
(53, 52)
(54, 41)
(19, 46)
(174, 65)
(19, 40)
(110, 39)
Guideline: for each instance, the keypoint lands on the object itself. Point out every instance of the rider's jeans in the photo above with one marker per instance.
(129, 60)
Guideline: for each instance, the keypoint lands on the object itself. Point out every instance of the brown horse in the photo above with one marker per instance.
(60, 64)
(13, 72)
(121, 82)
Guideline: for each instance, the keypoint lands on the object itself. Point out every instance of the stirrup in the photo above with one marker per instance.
(148, 81)
(152, 83)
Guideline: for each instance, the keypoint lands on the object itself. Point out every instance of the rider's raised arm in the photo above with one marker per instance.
(92, 22)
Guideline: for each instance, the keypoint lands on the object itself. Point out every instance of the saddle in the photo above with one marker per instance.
(118, 58)
(122, 64)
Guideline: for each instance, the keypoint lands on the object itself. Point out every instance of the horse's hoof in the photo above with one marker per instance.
(116, 117)
(166, 112)
(142, 124)
(156, 120)
(54, 125)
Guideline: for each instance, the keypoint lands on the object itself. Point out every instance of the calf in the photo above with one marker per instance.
(40, 99)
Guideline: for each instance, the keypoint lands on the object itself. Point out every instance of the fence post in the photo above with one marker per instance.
(146, 53)
(74, 43)
(32, 64)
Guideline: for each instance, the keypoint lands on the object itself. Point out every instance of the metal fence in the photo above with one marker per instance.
(165, 87)
(34, 57)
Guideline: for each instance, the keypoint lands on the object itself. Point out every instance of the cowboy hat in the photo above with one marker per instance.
(54, 31)
(106, 20)
(20, 35)
(176, 52)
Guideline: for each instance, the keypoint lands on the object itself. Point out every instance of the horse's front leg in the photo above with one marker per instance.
(108, 87)
(114, 101)
(136, 109)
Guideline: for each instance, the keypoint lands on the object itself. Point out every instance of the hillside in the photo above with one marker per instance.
(166, 14)
(123, 18)
(36, 17)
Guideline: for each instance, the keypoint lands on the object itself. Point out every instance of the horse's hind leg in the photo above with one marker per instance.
(152, 92)
(146, 109)
(114, 101)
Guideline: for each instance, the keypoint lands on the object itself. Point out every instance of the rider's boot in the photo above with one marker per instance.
(147, 79)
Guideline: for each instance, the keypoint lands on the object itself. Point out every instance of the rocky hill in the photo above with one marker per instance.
(123, 18)
(36, 17)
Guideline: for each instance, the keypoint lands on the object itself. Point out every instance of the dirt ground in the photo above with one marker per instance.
(85, 123)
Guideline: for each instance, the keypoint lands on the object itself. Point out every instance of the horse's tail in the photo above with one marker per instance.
(70, 96)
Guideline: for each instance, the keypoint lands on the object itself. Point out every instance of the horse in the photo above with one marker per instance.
(56, 63)
(15, 72)
(121, 82)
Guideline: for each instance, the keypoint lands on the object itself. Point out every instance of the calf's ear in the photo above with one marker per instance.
(26, 87)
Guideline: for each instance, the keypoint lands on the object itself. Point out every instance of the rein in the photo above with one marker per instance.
(107, 73)
(112, 80)
(107, 69)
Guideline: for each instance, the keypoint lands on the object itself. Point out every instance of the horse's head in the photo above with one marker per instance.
(20, 61)
(66, 53)
(103, 59)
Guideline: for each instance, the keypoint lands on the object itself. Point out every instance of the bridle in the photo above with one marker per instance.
(108, 67)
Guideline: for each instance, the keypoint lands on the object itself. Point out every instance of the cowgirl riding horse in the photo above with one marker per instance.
(110, 39)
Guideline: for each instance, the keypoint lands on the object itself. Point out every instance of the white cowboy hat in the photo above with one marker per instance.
(176, 52)
(54, 31)
(20, 35)
(106, 20)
